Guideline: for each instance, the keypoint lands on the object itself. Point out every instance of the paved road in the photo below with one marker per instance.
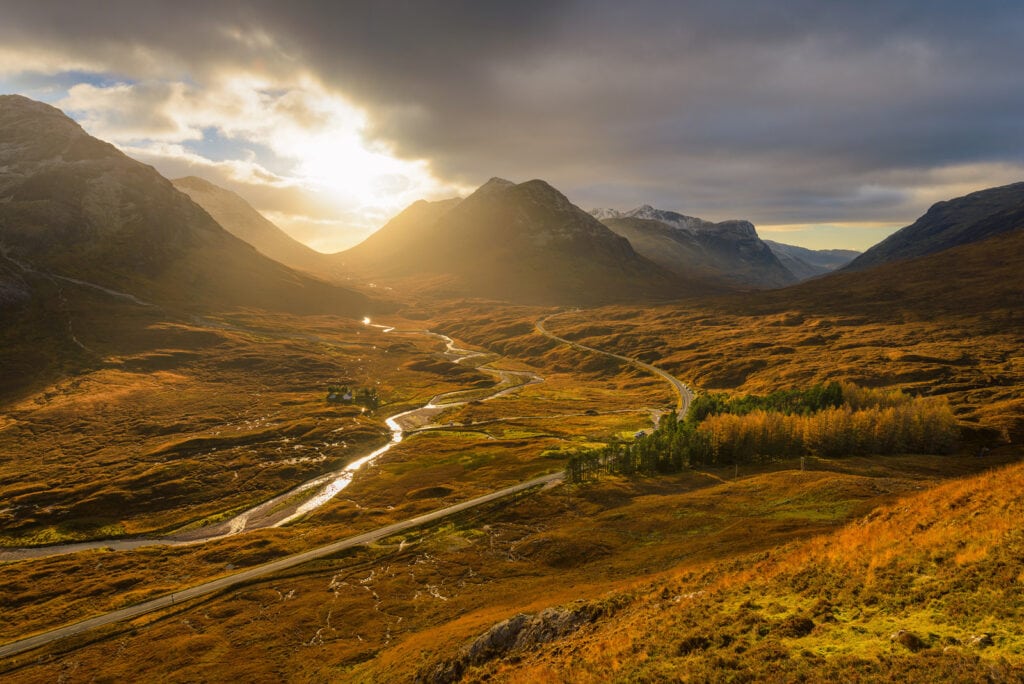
(259, 571)
(684, 393)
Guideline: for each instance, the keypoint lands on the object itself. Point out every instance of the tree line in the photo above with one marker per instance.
(788, 401)
(862, 422)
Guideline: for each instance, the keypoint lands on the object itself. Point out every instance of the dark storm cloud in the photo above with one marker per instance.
(793, 111)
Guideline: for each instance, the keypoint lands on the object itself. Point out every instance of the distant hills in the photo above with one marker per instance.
(729, 252)
(806, 263)
(948, 224)
(76, 208)
(520, 242)
(973, 279)
(240, 219)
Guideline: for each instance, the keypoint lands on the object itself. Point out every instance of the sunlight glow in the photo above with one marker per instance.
(296, 136)
(325, 137)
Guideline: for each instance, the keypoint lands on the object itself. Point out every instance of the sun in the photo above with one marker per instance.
(334, 153)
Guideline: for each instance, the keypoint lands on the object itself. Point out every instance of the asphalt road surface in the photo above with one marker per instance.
(259, 571)
(684, 393)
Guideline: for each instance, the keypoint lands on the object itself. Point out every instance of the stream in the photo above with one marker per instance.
(314, 493)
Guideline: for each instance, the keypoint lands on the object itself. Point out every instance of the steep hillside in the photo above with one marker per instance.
(959, 221)
(967, 280)
(240, 219)
(76, 208)
(392, 241)
(727, 252)
(524, 243)
(809, 263)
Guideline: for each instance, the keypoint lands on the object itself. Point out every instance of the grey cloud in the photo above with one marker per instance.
(780, 112)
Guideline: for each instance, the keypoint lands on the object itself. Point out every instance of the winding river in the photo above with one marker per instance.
(314, 493)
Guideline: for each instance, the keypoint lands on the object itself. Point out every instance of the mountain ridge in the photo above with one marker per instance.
(728, 252)
(525, 242)
(950, 223)
(76, 207)
(805, 263)
(242, 220)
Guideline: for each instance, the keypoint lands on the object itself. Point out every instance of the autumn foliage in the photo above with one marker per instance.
(866, 422)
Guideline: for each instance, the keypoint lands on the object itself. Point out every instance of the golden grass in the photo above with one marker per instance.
(451, 582)
(712, 573)
(155, 439)
(938, 564)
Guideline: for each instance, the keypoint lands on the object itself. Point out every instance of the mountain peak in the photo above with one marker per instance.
(528, 243)
(497, 181)
(76, 207)
(32, 131)
(492, 188)
(544, 193)
(728, 251)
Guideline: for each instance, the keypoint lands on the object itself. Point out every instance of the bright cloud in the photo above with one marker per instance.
(339, 114)
(317, 138)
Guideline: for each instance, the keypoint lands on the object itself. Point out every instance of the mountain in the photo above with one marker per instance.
(76, 209)
(390, 242)
(976, 280)
(240, 219)
(520, 242)
(959, 221)
(809, 263)
(729, 252)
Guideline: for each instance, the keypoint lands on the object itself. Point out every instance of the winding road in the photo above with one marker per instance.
(683, 393)
(306, 497)
(259, 571)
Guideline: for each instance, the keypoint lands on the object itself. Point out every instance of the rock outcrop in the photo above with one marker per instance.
(518, 634)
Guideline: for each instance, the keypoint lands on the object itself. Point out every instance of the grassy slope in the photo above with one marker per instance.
(381, 614)
(959, 334)
(943, 565)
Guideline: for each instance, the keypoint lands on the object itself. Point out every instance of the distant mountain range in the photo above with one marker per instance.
(810, 263)
(76, 208)
(522, 242)
(948, 224)
(729, 252)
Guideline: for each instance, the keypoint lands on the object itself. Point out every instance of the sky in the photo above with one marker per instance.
(826, 124)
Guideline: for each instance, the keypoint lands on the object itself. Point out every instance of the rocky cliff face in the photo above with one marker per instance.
(518, 634)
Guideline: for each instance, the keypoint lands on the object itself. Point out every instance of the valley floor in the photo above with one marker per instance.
(727, 574)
